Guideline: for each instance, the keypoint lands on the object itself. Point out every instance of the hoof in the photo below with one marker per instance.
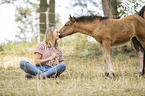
(110, 75)
(140, 74)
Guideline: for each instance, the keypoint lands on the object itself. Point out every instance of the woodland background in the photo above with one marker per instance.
(83, 55)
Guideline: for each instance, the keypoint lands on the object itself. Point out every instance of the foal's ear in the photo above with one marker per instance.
(72, 19)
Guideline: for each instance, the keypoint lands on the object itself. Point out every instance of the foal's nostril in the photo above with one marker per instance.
(60, 35)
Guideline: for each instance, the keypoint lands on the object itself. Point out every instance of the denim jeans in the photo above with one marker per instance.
(44, 70)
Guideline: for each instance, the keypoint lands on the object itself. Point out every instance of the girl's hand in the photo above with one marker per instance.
(54, 55)
(56, 61)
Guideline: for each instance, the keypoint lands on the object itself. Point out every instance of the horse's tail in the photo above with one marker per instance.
(139, 47)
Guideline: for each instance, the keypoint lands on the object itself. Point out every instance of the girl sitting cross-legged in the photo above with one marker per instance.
(48, 58)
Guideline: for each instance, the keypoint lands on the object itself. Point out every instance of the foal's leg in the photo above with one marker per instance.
(143, 68)
(106, 54)
(140, 50)
(141, 63)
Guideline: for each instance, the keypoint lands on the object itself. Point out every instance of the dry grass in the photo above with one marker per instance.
(84, 77)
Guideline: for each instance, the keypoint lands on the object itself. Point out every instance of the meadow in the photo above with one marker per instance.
(84, 75)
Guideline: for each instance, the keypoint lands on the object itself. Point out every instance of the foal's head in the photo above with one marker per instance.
(74, 24)
(68, 28)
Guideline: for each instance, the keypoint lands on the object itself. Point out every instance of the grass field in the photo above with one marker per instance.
(84, 77)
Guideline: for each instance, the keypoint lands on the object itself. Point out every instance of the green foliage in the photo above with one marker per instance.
(78, 45)
(58, 22)
(25, 17)
(74, 45)
(1, 48)
(7, 1)
(18, 48)
(129, 7)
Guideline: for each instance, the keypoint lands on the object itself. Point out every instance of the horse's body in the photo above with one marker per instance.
(110, 33)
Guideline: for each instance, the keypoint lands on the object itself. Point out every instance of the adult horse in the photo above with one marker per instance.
(110, 33)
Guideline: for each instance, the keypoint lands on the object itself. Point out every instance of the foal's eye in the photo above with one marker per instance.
(66, 25)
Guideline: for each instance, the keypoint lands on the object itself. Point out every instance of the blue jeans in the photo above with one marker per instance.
(44, 70)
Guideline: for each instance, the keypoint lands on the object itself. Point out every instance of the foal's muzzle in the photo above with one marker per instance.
(60, 36)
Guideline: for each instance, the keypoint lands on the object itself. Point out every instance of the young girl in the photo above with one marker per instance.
(48, 58)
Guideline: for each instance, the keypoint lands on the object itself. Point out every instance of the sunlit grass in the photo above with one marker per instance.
(84, 77)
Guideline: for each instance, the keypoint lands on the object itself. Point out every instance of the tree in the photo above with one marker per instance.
(51, 13)
(44, 8)
(42, 19)
(110, 8)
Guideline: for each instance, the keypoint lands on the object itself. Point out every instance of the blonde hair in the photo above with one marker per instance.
(49, 38)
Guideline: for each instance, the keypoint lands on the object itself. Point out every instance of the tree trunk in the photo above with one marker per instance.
(51, 13)
(42, 19)
(110, 8)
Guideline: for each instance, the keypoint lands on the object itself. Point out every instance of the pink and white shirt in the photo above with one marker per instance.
(47, 52)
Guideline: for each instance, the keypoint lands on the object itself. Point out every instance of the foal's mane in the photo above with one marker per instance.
(89, 18)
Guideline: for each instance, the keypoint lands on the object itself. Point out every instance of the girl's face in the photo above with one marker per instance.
(56, 34)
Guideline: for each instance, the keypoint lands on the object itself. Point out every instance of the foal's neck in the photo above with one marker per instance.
(85, 28)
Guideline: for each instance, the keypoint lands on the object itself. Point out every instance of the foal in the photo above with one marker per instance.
(110, 33)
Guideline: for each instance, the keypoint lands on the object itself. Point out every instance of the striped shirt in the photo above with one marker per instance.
(47, 52)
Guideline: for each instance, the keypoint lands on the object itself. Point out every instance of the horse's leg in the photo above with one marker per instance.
(143, 64)
(140, 50)
(106, 54)
(141, 67)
